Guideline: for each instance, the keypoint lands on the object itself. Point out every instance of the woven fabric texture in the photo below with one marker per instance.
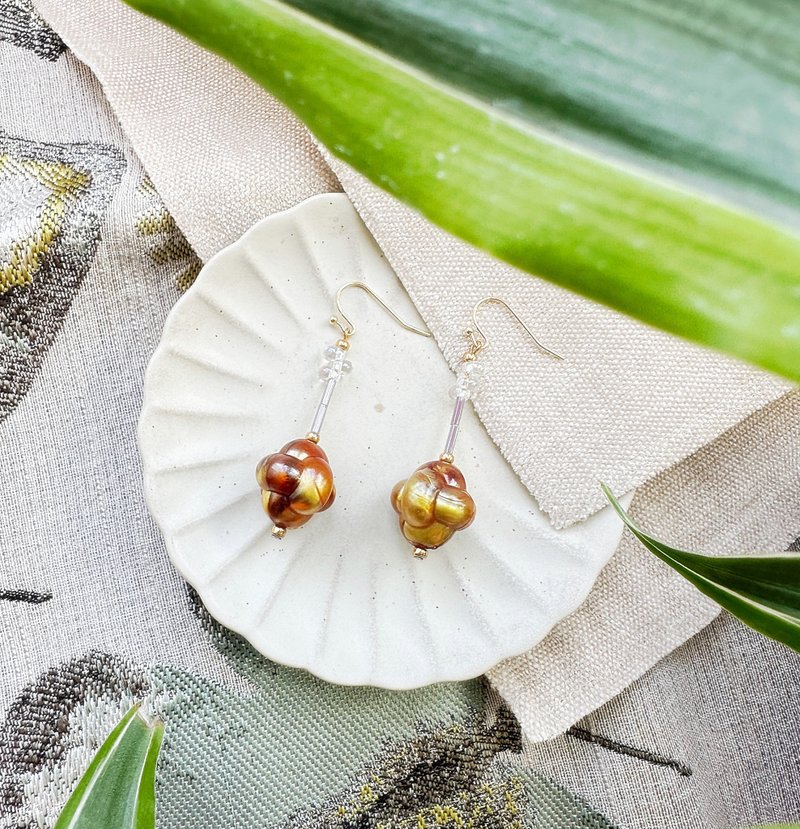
(271, 753)
(707, 738)
(625, 403)
(220, 168)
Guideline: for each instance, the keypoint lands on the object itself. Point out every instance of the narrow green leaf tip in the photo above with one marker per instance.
(118, 789)
(763, 591)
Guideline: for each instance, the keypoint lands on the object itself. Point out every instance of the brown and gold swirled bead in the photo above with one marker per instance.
(296, 483)
(432, 504)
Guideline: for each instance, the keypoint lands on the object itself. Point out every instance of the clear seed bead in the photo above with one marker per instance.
(469, 378)
(473, 370)
(329, 372)
(335, 364)
(463, 388)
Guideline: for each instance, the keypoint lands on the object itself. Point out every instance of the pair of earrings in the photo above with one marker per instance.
(433, 503)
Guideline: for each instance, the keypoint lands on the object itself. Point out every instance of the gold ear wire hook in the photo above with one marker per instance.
(479, 340)
(348, 329)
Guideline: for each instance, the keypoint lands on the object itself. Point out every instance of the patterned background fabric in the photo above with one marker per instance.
(53, 197)
(271, 753)
(92, 616)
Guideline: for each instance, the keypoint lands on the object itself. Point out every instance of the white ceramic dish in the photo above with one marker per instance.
(236, 376)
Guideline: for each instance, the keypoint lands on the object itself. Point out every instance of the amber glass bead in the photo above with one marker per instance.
(433, 504)
(296, 483)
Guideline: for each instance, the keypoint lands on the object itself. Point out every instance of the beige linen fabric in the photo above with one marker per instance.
(627, 403)
(226, 153)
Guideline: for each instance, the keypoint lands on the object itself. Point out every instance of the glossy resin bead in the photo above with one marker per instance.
(296, 483)
(432, 504)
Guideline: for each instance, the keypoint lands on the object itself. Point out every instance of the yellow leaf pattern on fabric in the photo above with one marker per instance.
(31, 234)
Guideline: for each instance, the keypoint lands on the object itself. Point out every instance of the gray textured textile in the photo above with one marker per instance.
(724, 706)
(72, 354)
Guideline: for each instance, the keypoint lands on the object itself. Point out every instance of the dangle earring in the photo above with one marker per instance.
(434, 503)
(297, 482)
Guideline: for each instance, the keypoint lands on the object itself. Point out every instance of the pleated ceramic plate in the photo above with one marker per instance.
(236, 376)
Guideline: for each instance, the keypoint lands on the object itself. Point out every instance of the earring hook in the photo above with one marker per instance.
(348, 329)
(479, 340)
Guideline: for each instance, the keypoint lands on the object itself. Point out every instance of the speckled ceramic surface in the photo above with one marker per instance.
(236, 376)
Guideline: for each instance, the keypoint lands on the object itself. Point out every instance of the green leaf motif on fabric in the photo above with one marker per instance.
(268, 746)
(660, 194)
(281, 748)
(118, 789)
(761, 590)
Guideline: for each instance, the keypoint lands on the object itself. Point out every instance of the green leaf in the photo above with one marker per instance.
(641, 155)
(761, 590)
(118, 789)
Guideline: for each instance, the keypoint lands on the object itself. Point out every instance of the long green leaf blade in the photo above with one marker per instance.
(762, 591)
(118, 789)
(656, 99)
(672, 257)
